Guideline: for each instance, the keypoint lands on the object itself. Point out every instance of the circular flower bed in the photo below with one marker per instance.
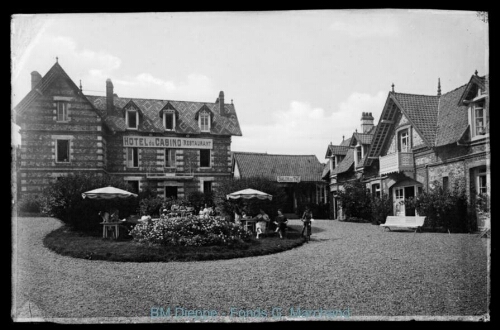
(190, 231)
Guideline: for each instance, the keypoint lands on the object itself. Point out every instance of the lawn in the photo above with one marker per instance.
(78, 245)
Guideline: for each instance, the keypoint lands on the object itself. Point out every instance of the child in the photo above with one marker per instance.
(281, 222)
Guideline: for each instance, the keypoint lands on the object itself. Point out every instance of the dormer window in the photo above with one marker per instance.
(204, 121)
(132, 119)
(478, 113)
(169, 120)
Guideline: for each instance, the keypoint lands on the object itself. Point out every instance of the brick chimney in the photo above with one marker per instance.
(366, 122)
(35, 79)
(221, 102)
(109, 97)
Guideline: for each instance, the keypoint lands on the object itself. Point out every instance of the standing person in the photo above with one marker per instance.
(206, 212)
(306, 219)
(237, 215)
(262, 221)
(281, 222)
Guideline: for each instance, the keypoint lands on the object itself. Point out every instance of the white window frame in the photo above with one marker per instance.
(130, 163)
(473, 111)
(69, 151)
(481, 173)
(127, 116)
(204, 115)
(401, 138)
(166, 153)
(65, 107)
(165, 113)
(209, 159)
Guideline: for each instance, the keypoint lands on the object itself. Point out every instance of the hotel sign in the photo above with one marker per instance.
(166, 142)
(289, 179)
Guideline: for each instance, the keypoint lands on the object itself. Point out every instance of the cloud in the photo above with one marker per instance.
(363, 25)
(304, 129)
(146, 85)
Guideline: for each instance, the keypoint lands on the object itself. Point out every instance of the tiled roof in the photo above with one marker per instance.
(363, 138)
(346, 142)
(55, 72)
(345, 164)
(338, 150)
(452, 119)
(222, 124)
(421, 110)
(270, 166)
(326, 170)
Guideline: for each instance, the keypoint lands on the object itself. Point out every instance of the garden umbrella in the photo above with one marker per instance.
(107, 193)
(249, 193)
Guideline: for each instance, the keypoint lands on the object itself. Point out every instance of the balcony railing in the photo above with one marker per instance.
(397, 162)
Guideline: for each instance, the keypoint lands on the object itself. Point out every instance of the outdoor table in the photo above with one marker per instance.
(114, 225)
(249, 223)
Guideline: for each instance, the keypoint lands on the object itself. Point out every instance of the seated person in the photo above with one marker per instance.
(104, 215)
(262, 221)
(115, 215)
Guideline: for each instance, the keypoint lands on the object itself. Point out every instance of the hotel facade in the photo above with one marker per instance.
(173, 147)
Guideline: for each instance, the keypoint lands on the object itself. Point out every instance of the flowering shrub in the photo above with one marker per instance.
(189, 231)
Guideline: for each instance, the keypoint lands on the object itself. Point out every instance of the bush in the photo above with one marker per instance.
(198, 199)
(63, 200)
(381, 208)
(355, 200)
(227, 186)
(150, 205)
(29, 204)
(190, 231)
(445, 208)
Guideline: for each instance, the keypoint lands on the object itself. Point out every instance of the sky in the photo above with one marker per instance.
(298, 79)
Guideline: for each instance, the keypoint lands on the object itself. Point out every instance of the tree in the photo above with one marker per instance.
(355, 200)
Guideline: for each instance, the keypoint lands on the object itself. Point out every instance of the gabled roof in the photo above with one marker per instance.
(345, 142)
(55, 72)
(270, 166)
(452, 118)
(222, 124)
(470, 89)
(421, 111)
(345, 164)
(363, 138)
(336, 150)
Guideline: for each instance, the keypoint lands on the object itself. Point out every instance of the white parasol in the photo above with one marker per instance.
(107, 193)
(249, 193)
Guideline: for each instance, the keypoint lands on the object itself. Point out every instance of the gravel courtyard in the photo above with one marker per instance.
(359, 268)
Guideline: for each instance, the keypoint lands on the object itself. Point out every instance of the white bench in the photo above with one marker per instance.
(404, 222)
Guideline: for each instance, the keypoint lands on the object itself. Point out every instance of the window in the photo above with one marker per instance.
(403, 141)
(169, 157)
(62, 151)
(134, 186)
(132, 119)
(171, 192)
(169, 120)
(376, 190)
(132, 157)
(62, 111)
(445, 183)
(204, 121)
(482, 187)
(205, 158)
(478, 127)
(358, 150)
(207, 186)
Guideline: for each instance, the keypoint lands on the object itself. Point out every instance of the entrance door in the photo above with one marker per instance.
(400, 195)
(409, 192)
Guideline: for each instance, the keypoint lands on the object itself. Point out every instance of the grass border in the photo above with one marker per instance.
(74, 244)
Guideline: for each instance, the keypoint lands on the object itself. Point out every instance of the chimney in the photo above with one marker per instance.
(109, 97)
(221, 102)
(366, 122)
(439, 87)
(35, 79)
